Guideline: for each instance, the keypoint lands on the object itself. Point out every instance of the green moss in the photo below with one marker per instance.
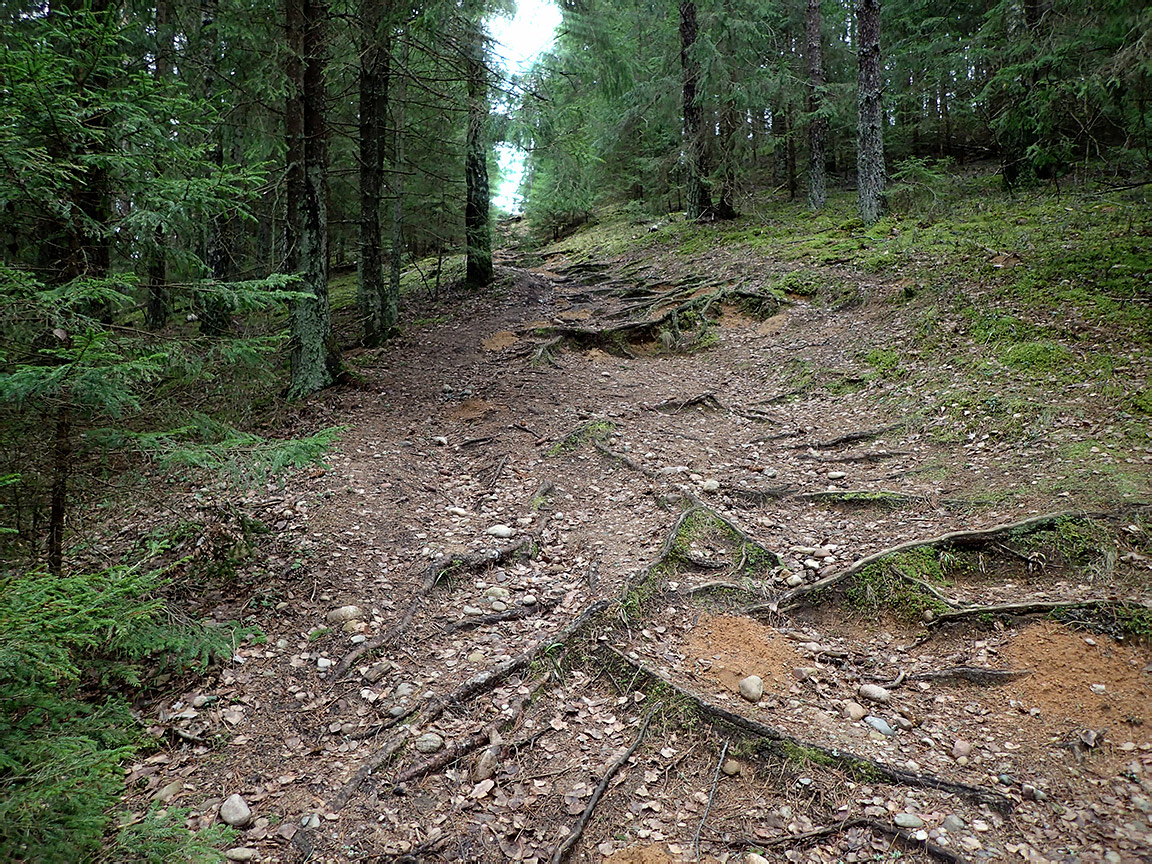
(880, 587)
(885, 361)
(594, 430)
(1039, 357)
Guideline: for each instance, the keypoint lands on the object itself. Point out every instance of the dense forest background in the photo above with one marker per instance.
(184, 187)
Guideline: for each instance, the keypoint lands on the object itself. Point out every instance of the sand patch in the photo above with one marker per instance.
(727, 648)
(498, 341)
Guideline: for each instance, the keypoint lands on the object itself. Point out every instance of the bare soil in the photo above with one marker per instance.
(590, 449)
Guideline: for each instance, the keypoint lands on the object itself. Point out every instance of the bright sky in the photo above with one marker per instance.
(520, 39)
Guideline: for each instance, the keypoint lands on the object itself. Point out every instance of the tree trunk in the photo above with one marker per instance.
(817, 122)
(790, 151)
(215, 316)
(375, 59)
(869, 131)
(61, 463)
(698, 195)
(396, 256)
(477, 231)
(158, 305)
(315, 359)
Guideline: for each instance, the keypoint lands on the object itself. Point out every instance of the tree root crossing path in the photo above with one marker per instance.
(626, 565)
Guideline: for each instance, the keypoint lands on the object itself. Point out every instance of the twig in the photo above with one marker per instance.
(564, 848)
(973, 674)
(708, 806)
(853, 437)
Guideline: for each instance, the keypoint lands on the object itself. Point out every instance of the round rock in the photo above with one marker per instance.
(874, 693)
(953, 823)
(730, 767)
(241, 853)
(429, 742)
(794, 581)
(711, 486)
(235, 811)
(752, 688)
(497, 593)
(855, 711)
(503, 532)
(961, 748)
(529, 600)
(345, 613)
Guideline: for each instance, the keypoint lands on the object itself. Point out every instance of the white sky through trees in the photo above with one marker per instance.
(519, 40)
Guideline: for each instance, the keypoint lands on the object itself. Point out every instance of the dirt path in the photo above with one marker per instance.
(537, 667)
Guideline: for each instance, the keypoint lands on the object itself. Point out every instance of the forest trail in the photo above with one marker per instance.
(571, 523)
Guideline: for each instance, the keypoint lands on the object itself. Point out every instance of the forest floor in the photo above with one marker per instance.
(575, 514)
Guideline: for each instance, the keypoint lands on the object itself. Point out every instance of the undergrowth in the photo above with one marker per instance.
(71, 648)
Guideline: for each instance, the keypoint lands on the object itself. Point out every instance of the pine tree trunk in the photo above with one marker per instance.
(477, 231)
(817, 123)
(870, 170)
(215, 317)
(315, 359)
(396, 255)
(698, 195)
(61, 464)
(158, 305)
(375, 59)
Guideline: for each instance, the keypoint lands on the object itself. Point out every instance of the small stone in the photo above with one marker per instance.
(1098, 689)
(199, 701)
(503, 532)
(953, 823)
(497, 593)
(310, 820)
(472, 610)
(902, 723)
(961, 748)
(358, 639)
(344, 613)
(241, 853)
(396, 711)
(324, 663)
(235, 811)
(908, 820)
(962, 761)
(769, 473)
(753, 858)
(730, 767)
(855, 711)
(499, 605)
(752, 688)
(710, 486)
(803, 673)
(429, 742)
(811, 564)
(457, 511)
(794, 581)
(874, 693)
(529, 600)
(440, 441)
(837, 475)
(879, 724)
(476, 657)
(405, 689)
(487, 764)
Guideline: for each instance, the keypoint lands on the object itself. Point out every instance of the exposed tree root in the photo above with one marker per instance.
(768, 741)
(626, 461)
(435, 571)
(872, 456)
(515, 614)
(951, 540)
(590, 430)
(1038, 606)
(760, 496)
(900, 837)
(972, 674)
(478, 684)
(574, 835)
(855, 437)
(459, 749)
(703, 400)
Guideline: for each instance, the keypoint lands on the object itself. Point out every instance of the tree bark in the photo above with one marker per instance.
(158, 305)
(396, 255)
(817, 122)
(477, 230)
(315, 358)
(870, 170)
(215, 316)
(699, 197)
(375, 60)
